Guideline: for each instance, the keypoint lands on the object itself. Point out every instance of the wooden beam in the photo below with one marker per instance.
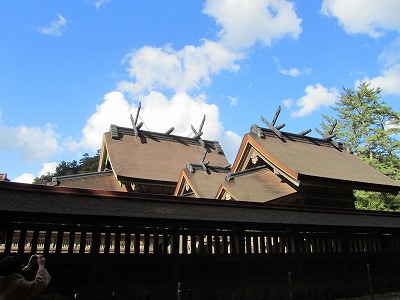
(270, 126)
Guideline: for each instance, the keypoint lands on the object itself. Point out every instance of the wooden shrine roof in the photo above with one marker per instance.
(97, 181)
(153, 156)
(203, 184)
(259, 186)
(315, 160)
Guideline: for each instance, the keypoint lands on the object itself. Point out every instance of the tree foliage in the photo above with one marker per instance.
(86, 164)
(371, 129)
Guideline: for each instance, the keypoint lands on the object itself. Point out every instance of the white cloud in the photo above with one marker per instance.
(157, 112)
(56, 27)
(160, 113)
(48, 168)
(184, 70)
(364, 16)
(389, 78)
(316, 97)
(34, 144)
(233, 101)
(389, 81)
(28, 178)
(287, 103)
(293, 72)
(100, 3)
(391, 54)
(24, 178)
(247, 22)
(114, 110)
(230, 142)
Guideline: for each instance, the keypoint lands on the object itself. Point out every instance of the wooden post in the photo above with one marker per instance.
(290, 285)
(371, 291)
(179, 293)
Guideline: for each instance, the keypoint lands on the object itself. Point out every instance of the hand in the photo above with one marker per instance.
(32, 261)
(40, 260)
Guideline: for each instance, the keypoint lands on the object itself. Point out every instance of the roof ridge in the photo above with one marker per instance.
(163, 136)
(260, 131)
(56, 179)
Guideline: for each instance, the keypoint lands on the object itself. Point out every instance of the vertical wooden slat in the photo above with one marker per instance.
(146, 242)
(241, 242)
(82, 243)
(47, 241)
(234, 244)
(274, 244)
(165, 243)
(209, 243)
(184, 243)
(107, 242)
(137, 243)
(59, 243)
(201, 244)
(192, 244)
(225, 244)
(280, 244)
(217, 244)
(262, 244)
(22, 241)
(156, 242)
(117, 242)
(71, 243)
(175, 245)
(35, 239)
(96, 240)
(128, 242)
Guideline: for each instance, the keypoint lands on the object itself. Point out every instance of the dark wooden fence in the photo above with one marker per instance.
(102, 244)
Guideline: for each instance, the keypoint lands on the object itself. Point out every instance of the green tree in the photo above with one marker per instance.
(371, 129)
(86, 164)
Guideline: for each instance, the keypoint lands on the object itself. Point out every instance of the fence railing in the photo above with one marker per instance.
(61, 239)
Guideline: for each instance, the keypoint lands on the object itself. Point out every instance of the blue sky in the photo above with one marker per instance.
(70, 68)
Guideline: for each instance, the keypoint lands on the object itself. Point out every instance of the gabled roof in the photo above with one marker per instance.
(257, 185)
(97, 181)
(310, 161)
(199, 183)
(152, 156)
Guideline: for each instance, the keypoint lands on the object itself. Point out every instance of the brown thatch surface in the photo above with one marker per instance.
(155, 157)
(303, 157)
(204, 185)
(96, 181)
(260, 186)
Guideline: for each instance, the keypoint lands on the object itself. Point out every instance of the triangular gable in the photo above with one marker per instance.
(184, 187)
(224, 194)
(201, 183)
(251, 155)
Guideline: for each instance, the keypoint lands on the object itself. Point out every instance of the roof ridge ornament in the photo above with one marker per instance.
(134, 121)
(275, 129)
(329, 137)
(197, 134)
(168, 132)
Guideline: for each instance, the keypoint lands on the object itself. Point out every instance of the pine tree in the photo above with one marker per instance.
(371, 130)
(86, 164)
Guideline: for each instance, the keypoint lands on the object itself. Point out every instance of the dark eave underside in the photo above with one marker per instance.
(71, 202)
